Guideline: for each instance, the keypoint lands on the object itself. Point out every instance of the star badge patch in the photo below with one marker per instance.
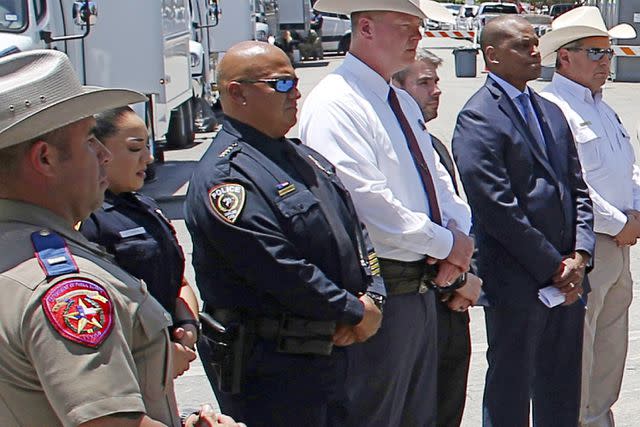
(80, 310)
(227, 201)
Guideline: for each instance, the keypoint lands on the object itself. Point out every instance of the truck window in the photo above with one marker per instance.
(500, 8)
(13, 15)
(40, 8)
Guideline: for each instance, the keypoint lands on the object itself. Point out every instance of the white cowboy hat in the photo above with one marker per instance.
(578, 23)
(40, 92)
(420, 8)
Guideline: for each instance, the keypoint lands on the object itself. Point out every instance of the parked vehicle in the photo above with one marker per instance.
(558, 9)
(112, 51)
(336, 32)
(490, 10)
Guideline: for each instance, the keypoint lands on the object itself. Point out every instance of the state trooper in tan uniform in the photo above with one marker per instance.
(81, 341)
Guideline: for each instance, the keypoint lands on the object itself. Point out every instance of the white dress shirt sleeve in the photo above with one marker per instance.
(607, 219)
(347, 139)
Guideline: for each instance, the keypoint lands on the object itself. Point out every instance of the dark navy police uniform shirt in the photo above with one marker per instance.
(132, 227)
(263, 241)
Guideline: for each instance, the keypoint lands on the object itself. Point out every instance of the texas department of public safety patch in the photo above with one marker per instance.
(227, 201)
(80, 310)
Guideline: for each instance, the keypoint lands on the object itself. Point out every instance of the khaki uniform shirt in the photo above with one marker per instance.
(47, 379)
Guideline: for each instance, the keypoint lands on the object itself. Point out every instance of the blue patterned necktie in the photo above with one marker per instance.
(531, 120)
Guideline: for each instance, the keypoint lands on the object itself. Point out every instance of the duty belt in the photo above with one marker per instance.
(402, 277)
(292, 334)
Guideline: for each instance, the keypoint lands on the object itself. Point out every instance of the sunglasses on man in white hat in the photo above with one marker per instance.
(580, 23)
(40, 92)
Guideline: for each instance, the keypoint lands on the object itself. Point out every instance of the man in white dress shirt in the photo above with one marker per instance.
(581, 48)
(374, 134)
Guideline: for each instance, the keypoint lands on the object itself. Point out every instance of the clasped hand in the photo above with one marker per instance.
(569, 276)
(368, 326)
(629, 234)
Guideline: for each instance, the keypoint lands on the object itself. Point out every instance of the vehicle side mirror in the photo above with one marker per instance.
(84, 12)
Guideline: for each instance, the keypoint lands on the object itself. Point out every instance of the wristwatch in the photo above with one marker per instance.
(378, 299)
(460, 282)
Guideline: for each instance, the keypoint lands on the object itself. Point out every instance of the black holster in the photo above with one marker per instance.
(229, 345)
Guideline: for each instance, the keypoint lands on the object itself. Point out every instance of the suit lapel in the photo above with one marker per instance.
(510, 109)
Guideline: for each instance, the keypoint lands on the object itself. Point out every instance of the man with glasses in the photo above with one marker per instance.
(281, 260)
(581, 48)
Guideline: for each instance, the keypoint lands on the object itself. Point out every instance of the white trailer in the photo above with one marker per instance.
(142, 45)
(295, 15)
(625, 66)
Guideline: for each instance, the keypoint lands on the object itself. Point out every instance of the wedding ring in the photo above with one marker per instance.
(571, 285)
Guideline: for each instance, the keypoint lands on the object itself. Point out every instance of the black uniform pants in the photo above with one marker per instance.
(285, 390)
(454, 354)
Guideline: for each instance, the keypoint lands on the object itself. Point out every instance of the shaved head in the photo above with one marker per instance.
(499, 28)
(247, 60)
(510, 49)
(247, 77)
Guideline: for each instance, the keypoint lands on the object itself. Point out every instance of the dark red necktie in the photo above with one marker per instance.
(418, 159)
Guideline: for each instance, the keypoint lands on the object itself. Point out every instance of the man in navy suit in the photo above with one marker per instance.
(534, 228)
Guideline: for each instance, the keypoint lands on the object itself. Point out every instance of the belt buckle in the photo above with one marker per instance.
(425, 283)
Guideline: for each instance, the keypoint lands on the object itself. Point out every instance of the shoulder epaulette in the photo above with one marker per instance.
(228, 150)
(52, 253)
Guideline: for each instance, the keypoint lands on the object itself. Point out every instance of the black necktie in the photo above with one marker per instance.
(418, 159)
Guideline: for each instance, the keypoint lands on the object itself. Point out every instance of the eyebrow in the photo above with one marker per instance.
(135, 139)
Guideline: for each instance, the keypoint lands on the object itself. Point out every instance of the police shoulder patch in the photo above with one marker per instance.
(227, 200)
(80, 310)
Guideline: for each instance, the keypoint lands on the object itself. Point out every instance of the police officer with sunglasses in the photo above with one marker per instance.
(581, 48)
(286, 270)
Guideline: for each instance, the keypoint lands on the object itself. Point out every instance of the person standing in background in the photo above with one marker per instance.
(581, 49)
(420, 79)
(132, 228)
(533, 223)
(282, 261)
(374, 135)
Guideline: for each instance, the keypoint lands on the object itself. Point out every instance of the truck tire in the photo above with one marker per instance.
(344, 44)
(204, 118)
(181, 133)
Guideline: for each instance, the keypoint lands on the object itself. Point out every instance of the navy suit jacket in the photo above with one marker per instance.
(530, 208)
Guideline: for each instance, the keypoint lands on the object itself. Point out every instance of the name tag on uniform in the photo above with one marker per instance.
(132, 232)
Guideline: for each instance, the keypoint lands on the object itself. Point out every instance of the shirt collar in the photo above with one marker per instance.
(511, 90)
(374, 81)
(572, 89)
(111, 200)
(253, 137)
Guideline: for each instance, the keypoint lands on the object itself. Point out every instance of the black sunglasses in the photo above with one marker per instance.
(281, 85)
(595, 53)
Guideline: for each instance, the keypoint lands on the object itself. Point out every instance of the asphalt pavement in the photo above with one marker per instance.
(192, 388)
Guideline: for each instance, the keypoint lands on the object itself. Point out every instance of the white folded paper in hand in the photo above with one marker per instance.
(551, 296)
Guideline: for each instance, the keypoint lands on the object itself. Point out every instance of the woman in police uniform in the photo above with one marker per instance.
(132, 227)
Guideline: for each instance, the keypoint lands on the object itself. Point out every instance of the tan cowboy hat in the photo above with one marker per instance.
(40, 92)
(578, 23)
(420, 8)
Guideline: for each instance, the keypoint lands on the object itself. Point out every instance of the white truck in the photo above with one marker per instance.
(228, 22)
(142, 45)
